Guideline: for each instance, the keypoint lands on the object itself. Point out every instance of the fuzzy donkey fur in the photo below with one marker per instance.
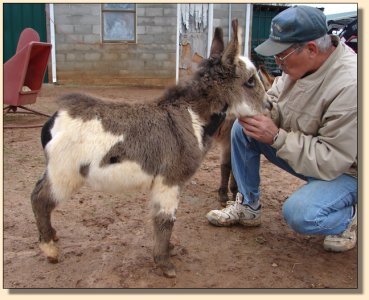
(114, 147)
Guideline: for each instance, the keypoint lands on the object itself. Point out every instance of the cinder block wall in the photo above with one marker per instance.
(83, 59)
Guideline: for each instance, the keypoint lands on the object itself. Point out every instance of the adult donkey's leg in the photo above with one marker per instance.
(233, 186)
(225, 172)
(164, 205)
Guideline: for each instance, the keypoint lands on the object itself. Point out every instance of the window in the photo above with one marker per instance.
(119, 22)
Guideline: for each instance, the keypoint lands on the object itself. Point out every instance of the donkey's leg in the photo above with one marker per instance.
(43, 204)
(233, 186)
(163, 225)
(44, 198)
(225, 171)
(164, 205)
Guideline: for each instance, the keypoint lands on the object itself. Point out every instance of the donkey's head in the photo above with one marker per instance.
(233, 81)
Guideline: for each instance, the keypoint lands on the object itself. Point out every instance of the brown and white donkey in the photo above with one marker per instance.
(115, 147)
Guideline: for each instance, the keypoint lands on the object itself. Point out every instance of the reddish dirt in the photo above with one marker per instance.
(106, 240)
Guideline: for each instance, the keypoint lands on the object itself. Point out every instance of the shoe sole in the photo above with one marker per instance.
(339, 248)
(249, 223)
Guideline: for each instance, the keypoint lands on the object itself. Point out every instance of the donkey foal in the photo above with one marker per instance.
(114, 147)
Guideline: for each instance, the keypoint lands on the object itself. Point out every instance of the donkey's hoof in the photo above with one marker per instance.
(166, 267)
(169, 272)
(222, 196)
(50, 250)
(52, 260)
(223, 203)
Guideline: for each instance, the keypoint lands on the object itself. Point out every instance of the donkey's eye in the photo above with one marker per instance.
(251, 82)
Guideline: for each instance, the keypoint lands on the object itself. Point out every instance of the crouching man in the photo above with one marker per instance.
(313, 134)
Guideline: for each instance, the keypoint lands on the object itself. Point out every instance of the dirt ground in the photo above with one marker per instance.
(106, 240)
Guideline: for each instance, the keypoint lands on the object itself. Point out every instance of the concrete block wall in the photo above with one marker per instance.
(82, 58)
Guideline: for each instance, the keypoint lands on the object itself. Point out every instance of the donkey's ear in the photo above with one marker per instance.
(217, 45)
(233, 49)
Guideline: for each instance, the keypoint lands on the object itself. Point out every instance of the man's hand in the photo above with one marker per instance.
(260, 128)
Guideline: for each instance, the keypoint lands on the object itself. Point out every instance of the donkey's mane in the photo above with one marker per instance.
(209, 71)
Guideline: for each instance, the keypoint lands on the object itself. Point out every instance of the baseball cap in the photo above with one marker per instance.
(297, 24)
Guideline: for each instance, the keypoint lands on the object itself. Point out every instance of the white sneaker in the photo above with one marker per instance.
(235, 213)
(345, 240)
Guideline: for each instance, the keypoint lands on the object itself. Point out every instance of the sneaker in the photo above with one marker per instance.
(345, 240)
(235, 213)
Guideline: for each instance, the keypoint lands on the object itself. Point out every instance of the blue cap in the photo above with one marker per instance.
(296, 24)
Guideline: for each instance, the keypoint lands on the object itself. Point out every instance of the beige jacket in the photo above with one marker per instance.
(317, 116)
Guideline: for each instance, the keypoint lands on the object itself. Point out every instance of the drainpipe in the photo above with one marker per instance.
(229, 21)
(177, 42)
(248, 18)
(210, 27)
(52, 38)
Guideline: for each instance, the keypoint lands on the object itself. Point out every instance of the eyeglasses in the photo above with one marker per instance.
(282, 60)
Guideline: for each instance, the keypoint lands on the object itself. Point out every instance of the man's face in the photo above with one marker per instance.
(293, 61)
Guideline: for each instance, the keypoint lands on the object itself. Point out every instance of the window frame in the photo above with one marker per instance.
(110, 10)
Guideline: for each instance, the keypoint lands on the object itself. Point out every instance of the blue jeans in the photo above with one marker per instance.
(318, 207)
